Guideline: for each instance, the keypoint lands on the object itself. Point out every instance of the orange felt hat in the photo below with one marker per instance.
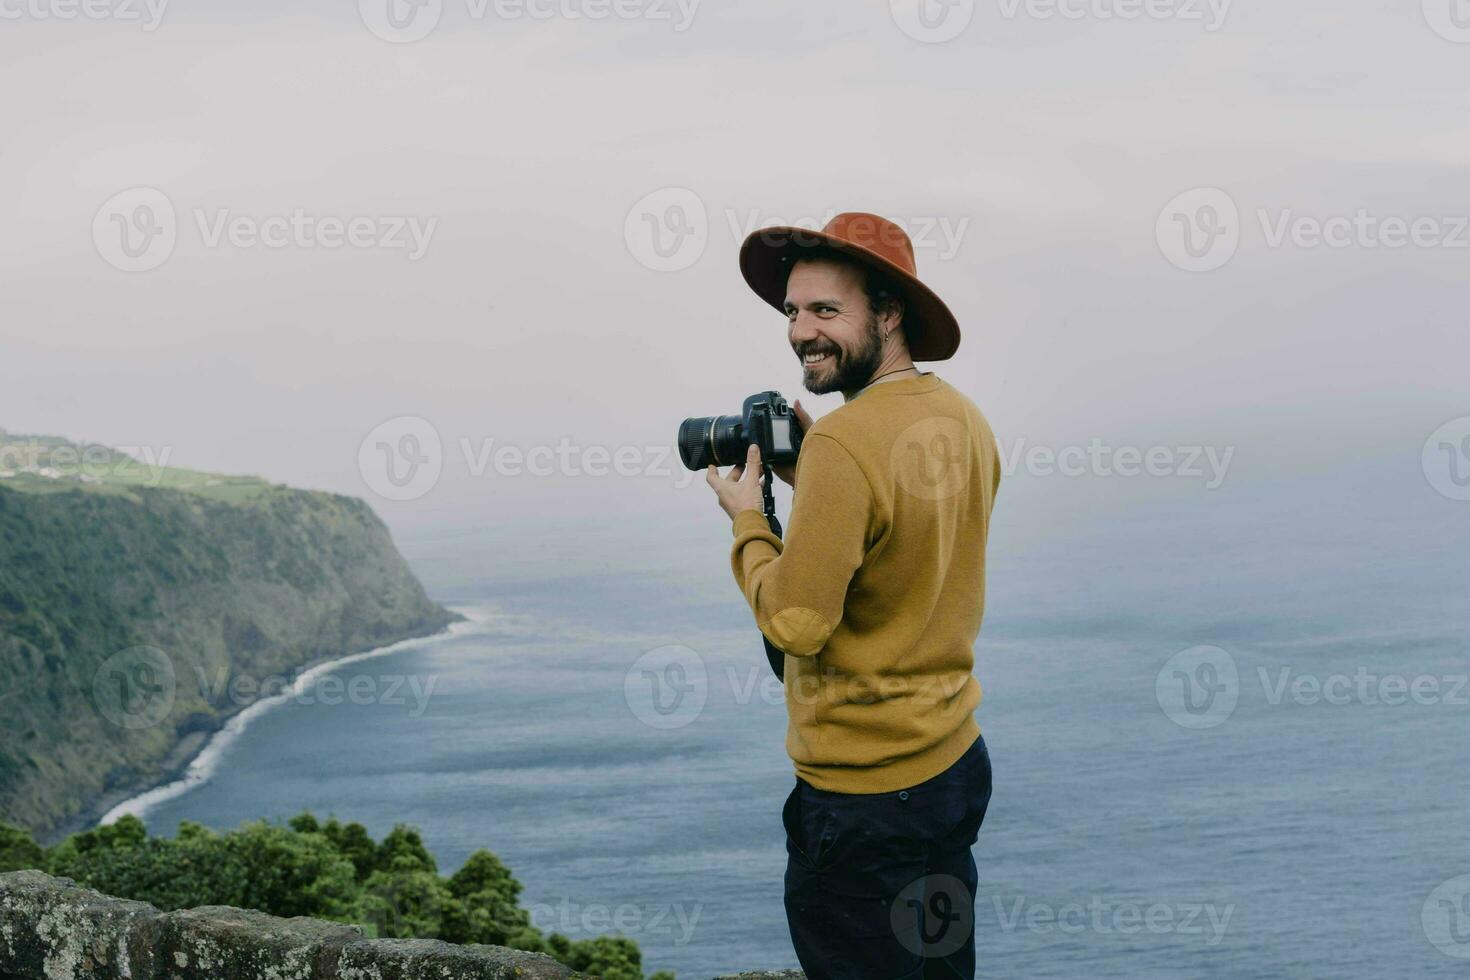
(767, 256)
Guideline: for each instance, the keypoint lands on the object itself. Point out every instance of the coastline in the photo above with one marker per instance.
(193, 759)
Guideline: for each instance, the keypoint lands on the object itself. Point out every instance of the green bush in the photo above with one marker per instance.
(324, 870)
(19, 851)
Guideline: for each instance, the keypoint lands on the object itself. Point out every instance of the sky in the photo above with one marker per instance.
(309, 240)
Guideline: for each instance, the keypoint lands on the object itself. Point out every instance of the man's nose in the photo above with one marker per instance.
(802, 329)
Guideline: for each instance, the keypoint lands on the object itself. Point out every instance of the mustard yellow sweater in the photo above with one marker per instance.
(877, 593)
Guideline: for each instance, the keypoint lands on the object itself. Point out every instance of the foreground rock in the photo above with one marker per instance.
(50, 929)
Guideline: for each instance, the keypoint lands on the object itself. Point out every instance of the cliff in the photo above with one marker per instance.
(141, 606)
(52, 930)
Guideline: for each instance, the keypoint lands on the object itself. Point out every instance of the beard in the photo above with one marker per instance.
(850, 369)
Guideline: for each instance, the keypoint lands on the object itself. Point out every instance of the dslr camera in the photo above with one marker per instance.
(765, 420)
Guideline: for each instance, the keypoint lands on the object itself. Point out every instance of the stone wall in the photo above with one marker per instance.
(51, 929)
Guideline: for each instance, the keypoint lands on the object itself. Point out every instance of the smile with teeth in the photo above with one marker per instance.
(813, 358)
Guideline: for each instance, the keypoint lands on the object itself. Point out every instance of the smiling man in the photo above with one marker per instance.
(875, 598)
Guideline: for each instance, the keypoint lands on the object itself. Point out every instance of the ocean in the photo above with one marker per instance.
(1229, 734)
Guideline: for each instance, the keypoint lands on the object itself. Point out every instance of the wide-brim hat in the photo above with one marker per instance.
(766, 258)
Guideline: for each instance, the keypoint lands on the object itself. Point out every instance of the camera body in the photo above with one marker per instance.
(765, 420)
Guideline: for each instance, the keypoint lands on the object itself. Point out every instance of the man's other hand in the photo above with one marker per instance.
(787, 471)
(741, 490)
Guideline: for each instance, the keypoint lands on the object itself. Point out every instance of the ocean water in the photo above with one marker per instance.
(1129, 836)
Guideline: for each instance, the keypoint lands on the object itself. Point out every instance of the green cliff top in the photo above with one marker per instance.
(51, 464)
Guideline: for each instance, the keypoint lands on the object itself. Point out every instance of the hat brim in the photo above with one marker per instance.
(766, 258)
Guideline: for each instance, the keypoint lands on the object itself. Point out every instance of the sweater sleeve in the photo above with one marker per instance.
(797, 588)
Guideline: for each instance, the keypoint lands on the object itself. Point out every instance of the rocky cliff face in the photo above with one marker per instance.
(137, 614)
(52, 930)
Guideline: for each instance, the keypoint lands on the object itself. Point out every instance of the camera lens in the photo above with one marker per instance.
(719, 441)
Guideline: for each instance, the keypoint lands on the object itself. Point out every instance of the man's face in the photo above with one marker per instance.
(832, 329)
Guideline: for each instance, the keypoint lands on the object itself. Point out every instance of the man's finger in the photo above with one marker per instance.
(711, 475)
(736, 474)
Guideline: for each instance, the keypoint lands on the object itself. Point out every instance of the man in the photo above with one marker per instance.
(875, 598)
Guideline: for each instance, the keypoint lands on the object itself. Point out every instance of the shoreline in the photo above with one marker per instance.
(193, 759)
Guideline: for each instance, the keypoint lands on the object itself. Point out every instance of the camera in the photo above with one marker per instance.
(764, 420)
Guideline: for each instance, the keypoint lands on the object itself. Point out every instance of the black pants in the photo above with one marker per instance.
(882, 886)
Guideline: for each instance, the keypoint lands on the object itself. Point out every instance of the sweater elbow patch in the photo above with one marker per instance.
(798, 631)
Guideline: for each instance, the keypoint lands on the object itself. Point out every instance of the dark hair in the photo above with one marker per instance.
(883, 291)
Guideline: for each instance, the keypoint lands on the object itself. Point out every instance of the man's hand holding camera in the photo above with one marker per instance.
(741, 490)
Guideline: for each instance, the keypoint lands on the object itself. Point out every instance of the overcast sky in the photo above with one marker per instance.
(503, 176)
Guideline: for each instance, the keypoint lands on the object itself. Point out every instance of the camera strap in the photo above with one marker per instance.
(775, 656)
